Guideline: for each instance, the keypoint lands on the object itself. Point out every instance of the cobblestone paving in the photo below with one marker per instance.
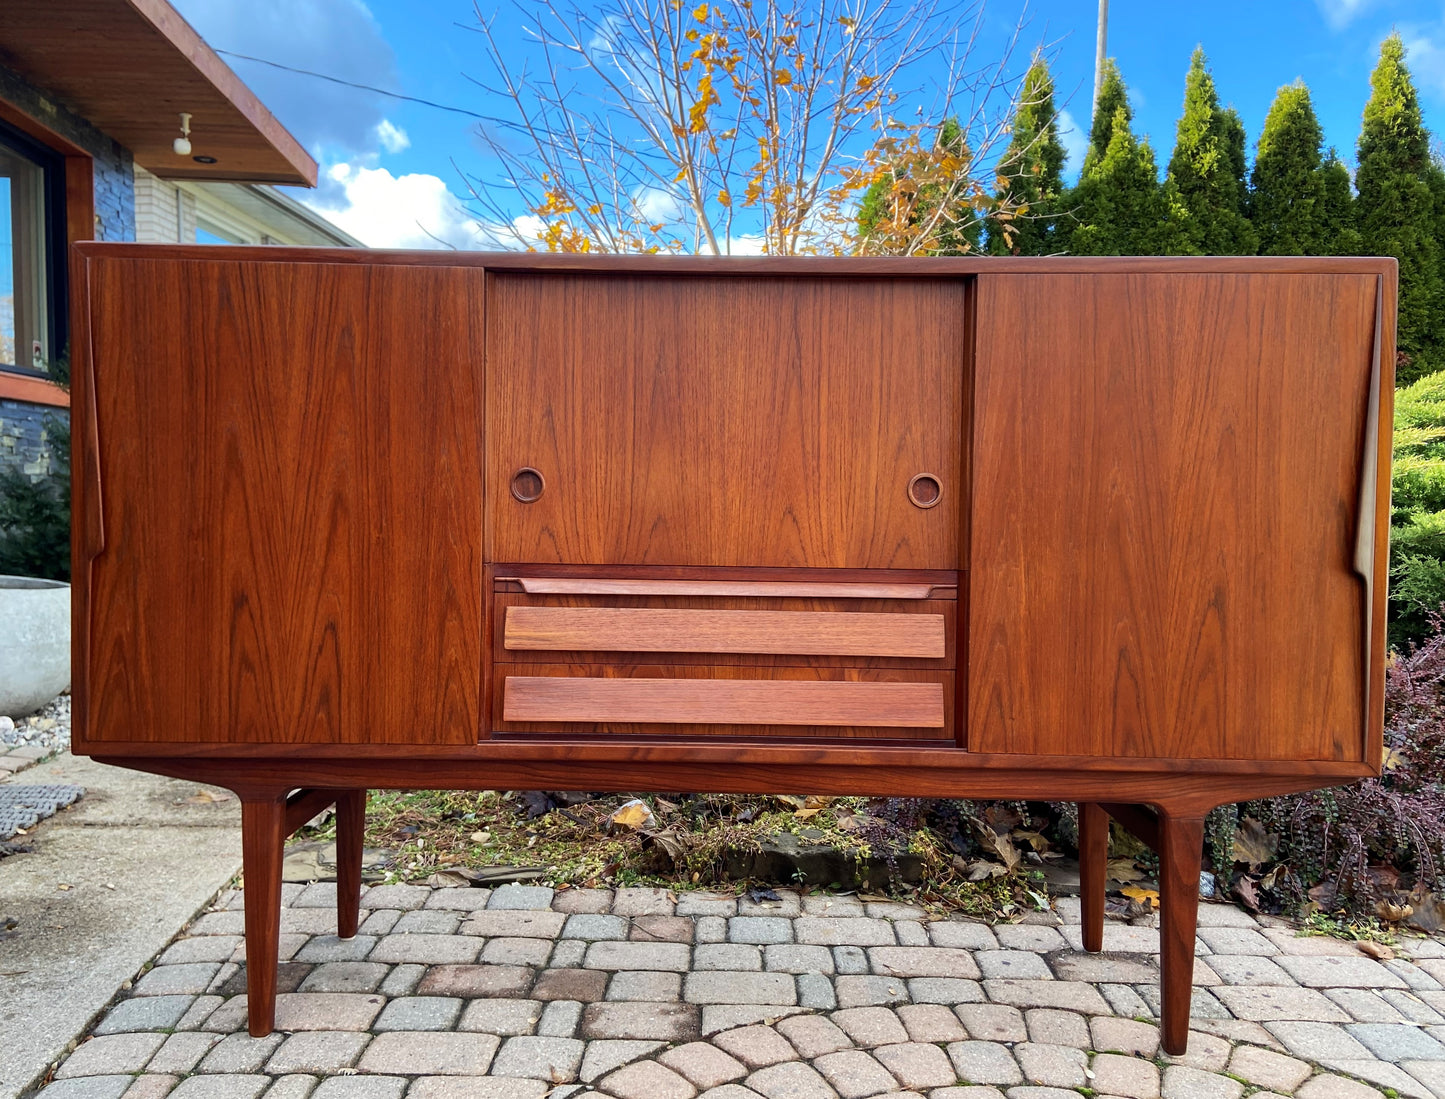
(520, 993)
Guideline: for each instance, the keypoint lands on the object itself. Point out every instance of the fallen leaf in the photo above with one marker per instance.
(1253, 845)
(980, 869)
(633, 814)
(806, 814)
(1034, 839)
(481, 837)
(1123, 871)
(209, 797)
(1247, 892)
(64, 887)
(448, 879)
(1391, 758)
(1379, 951)
(1393, 912)
(1149, 897)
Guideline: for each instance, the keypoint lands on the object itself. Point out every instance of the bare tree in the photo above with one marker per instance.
(746, 125)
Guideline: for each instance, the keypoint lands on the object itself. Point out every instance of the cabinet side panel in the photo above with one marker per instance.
(726, 421)
(1166, 487)
(290, 457)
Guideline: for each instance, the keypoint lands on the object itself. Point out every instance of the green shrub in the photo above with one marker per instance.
(1417, 520)
(35, 515)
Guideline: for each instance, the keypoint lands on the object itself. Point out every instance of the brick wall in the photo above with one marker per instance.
(25, 437)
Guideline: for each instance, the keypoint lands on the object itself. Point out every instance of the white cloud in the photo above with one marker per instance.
(392, 137)
(1425, 54)
(746, 245)
(387, 211)
(1075, 139)
(1341, 13)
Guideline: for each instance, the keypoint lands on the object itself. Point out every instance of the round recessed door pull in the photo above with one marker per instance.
(527, 485)
(924, 490)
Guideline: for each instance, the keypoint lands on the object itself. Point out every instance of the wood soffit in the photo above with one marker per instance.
(130, 67)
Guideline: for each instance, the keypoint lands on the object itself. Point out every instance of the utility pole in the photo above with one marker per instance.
(1101, 49)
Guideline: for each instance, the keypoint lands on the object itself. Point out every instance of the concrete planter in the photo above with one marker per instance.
(34, 643)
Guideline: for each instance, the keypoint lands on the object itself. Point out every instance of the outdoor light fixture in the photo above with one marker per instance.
(182, 144)
(204, 159)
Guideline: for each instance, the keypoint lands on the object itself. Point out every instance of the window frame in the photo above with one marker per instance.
(56, 283)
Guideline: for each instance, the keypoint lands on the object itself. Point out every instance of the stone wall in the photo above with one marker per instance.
(25, 437)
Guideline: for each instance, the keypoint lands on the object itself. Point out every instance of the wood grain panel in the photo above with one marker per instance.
(719, 702)
(290, 463)
(1166, 479)
(504, 604)
(725, 422)
(794, 589)
(655, 630)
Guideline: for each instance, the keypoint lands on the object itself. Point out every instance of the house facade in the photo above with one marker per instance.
(92, 94)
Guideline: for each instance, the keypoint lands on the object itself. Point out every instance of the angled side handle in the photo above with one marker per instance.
(1369, 475)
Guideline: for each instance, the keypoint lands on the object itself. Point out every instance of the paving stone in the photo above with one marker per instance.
(1236, 940)
(740, 988)
(176, 980)
(1336, 972)
(295, 1086)
(917, 1065)
(1329, 1086)
(559, 1019)
(111, 1054)
(1012, 963)
(468, 1087)
(760, 930)
(755, 1046)
(993, 1022)
(534, 898)
(737, 956)
(642, 901)
(1125, 1076)
(1429, 1073)
(1069, 995)
(457, 900)
(648, 1080)
(911, 933)
(1267, 1069)
(827, 904)
(353, 977)
(813, 1035)
(1224, 915)
(469, 981)
(583, 985)
(512, 951)
(1111, 1035)
(793, 1080)
(428, 921)
(199, 1011)
(864, 991)
(965, 935)
(844, 931)
(1118, 938)
(1317, 1041)
(605, 1056)
(402, 897)
(318, 1051)
(582, 900)
(967, 1091)
(816, 991)
(145, 1013)
(402, 980)
(645, 985)
(1050, 1026)
(660, 929)
(221, 1087)
(1052, 1066)
(153, 1086)
(871, 1026)
(200, 948)
(378, 922)
(426, 949)
(219, 923)
(89, 1087)
(361, 1087)
(1183, 1082)
(1125, 1001)
(1262, 1004)
(1290, 941)
(1248, 969)
(1102, 969)
(593, 927)
(984, 1063)
(555, 1060)
(1202, 1004)
(1365, 1005)
(1206, 1052)
(308, 921)
(705, 1066)
(410, 1053)
(642, 1022)
(855, 1073)
(674, 957)
(515, 924)
(1407, 1004)
(717, 1018)
(421, 1013)
(1397, 1043)
(1040, 940)
(710, 929)
(327, 1010)
(707, 904)
(789, 904)
(241, 1053)
(851, 960)
(936, 961)
(931, 1023)
(507, 1017)
(182, 1052)
(1384, 1075)
(1413, 976)
(567, 954)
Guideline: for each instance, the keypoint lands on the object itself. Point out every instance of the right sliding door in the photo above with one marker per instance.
(1166, 506)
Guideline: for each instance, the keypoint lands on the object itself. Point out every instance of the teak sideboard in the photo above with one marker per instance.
(1110, 531)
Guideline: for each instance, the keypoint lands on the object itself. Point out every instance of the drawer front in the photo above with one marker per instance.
(677, 700)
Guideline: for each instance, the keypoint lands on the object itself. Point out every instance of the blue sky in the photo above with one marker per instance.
(390, 169)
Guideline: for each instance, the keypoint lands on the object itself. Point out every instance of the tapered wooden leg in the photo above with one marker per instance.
(1181, 854)
(350, 828)
(1093, 871)
(263, 836)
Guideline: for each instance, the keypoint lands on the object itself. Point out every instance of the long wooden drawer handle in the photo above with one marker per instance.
(648, 630)
(722, 702)
(761, 589)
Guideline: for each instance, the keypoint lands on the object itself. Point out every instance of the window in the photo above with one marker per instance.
(32, 250)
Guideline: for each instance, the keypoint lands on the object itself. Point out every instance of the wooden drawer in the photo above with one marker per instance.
(682, 700)
(716, 622)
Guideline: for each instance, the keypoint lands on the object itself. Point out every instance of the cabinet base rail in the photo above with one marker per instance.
(268, 818)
